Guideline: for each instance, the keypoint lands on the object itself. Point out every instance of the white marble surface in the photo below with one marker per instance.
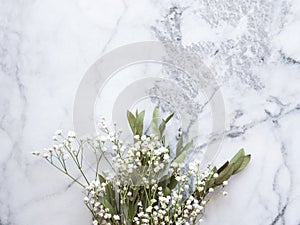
(253, 45)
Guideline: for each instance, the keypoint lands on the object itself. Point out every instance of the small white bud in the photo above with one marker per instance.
(58, 132)
(216, 175)
(116, 217)
(86, 200)
(36, 153)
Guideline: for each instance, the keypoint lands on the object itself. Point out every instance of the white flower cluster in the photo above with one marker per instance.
(170, 209)
(143, 161)
(146, 188)
(101, 214)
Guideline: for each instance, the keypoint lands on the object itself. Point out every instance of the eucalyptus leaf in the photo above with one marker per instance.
(180, 159)
(101, 178)
(245, 162)
(132, 120)
(225, 174)
(139, 124)
(222, 167)
(162, 128)
(169, 117)
(188, 146)
(179, 145)
(107, 204)
(154, 123)
(237, 160)
(172, 183)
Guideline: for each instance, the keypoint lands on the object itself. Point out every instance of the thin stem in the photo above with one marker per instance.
(65, 172)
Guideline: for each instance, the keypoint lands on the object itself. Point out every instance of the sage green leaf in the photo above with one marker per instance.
(173, 182)
(225, 174)
(155, 115)
(180, 159)
(167, 191)
(163, 124)
(154, 123)
(210, 181)
(133, 210)
(163, 141)
(240, 154)
(169, 117)
(131, 119)
(222, 167)
(136, 113)
(139, 124)
(237, 160)
(135, 193)
(179, 145)
(162, 128)
(188, 146)
(101, 178)
(107, 204)
(245, 162)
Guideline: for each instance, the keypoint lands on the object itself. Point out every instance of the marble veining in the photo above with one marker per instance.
(253, 47)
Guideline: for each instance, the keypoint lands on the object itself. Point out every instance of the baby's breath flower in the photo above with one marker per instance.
(71, 134)
(216, 175)
(86, 200)
(58, 132)
(116, 217)
(36, 153)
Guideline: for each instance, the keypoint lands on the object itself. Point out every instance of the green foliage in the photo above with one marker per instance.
(136, 122)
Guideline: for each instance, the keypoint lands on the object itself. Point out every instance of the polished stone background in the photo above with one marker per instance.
(252, 45)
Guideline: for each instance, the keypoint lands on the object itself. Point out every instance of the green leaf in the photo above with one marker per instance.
(139, 124)
(237, 160)
(133, 209)
(180, 159)
(167, 191)
(222, 167)
(101, 178)
(173, 182)
(162, 128)
(225, 174)
(238, 155)
(163, 141)
(245, 162)
(169, 117)
(131, 119)
(210, 179)
(154, 124)
(163, 124)
(188, 146)
(106, 204)
(179, 145)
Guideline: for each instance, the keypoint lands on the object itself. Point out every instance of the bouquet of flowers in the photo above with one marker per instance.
(149, 183)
